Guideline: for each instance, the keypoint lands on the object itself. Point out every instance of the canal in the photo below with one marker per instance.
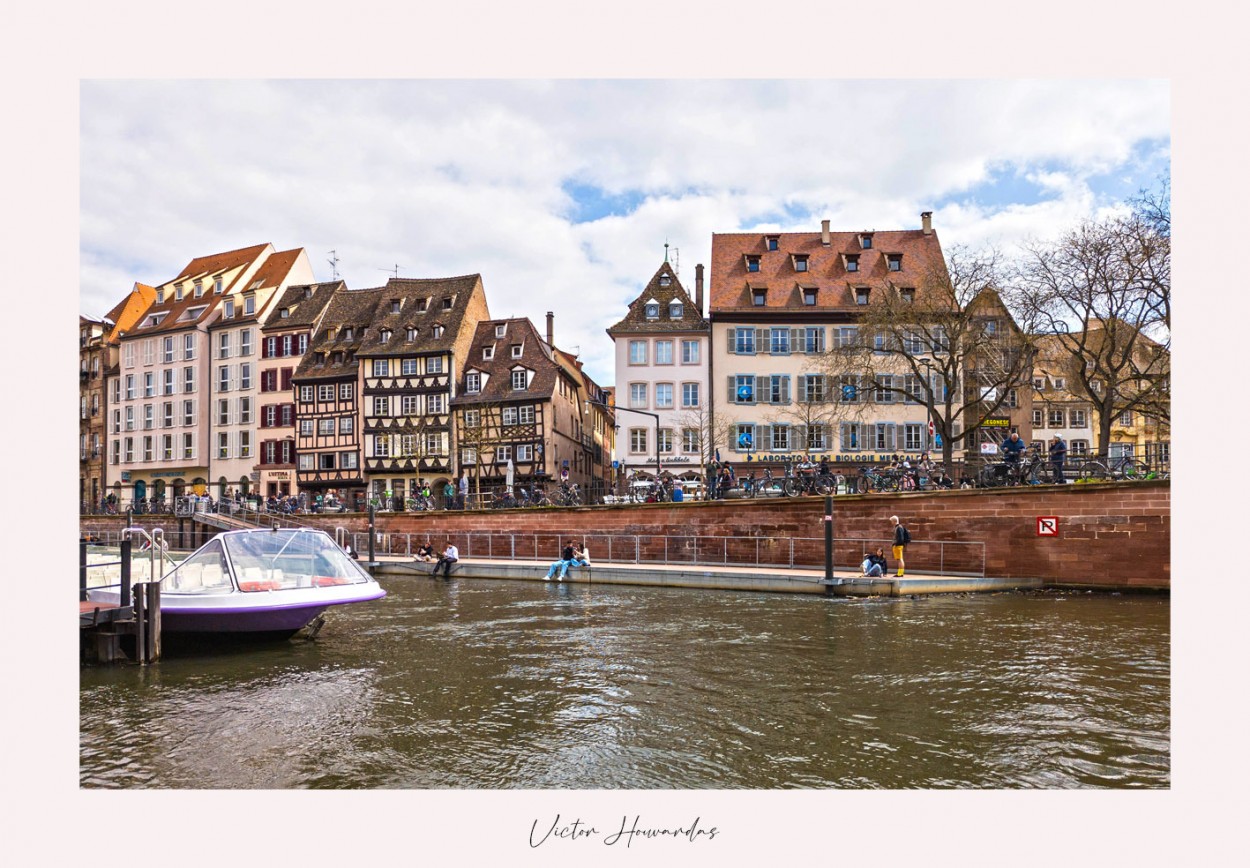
(494, 684)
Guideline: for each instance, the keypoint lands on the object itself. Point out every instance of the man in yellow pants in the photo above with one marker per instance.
(901, 538)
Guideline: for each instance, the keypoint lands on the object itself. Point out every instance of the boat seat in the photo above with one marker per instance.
(214, 577)
(189, 578)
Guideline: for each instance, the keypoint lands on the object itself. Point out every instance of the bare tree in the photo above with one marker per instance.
(1103, 289)
(711, 430)
(479, 428)
(950, 344)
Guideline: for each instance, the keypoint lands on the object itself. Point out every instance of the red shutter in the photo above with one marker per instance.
(286, 378)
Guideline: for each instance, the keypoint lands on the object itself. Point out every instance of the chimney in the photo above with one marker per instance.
(926, 222)
(551, 329)
(698, 287)
(824, 232)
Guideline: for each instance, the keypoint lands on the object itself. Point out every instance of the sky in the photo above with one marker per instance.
(562, 194)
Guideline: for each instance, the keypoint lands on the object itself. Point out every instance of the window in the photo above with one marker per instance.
(781, 438)
(410, 405)
(1126, 418)
(861, 295)
(907, 294)
(817, 437)
(245, 342)
(809, 295)
(638, 440)
(188, 412)
(865, 241)
(149, 417)
(1038, 417)
(227, 309)
(168, 385)
(852, 262)
(128, 355)
(245, 375)
(753, 263)
(302, 342)
(526, 415)
(779, 389)
(812, 389)
(223, 445)
(325, 392)
(381, 446)
(894, 261)
(675, 310)
(167, 350)
(516, 350)
(223, 378)
(223, 412)
(638, 396)
(167, 447)
(437, 331)
(508, 417)
(501, 330)
(488, 353)
(384, 336)
(665, 280)
(800, 262)
(663, 396)
(1077, 419)
(167, 414)
(845, 336)
(525, 452)
(188, 445)
(325, 461)
(913, 343)
(519, 381)
(472, 382)
(882, 434)
(149, 384)
(743, 386)
(381, 405)
(1054, 419)
(305, 461)
(771, 242)
(435, 404)
(306, 394)
(1078, 447)
(408, 367)
(325, 427)
(689, 440)
(434, 365)
(758, 297)
(468, 456)
(779, 341)
(249, 305)
(472, 418)
(130, 450)
(690, 352)
(637, 352)
(744, 341)
(913, 437)
(663, 352)
(448, 300)
(666, 441)
(379, 367)
(744, 438)
(652, 310)
(218, 286)
(813, 339)
(690, 394)
(1060, 383)
(148, 351)
(130, 418)
(1013, 399)
(503, 454)
(305, 427)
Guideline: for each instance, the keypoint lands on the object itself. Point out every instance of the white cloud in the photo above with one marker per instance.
(456, 177)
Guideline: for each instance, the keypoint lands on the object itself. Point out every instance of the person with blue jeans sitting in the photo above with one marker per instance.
(566, 557)
(581, 558)
(874, 564)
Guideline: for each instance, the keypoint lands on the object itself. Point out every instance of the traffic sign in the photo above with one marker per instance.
(1048, 525)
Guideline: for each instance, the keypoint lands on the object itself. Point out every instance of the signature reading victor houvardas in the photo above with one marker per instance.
(577, 830)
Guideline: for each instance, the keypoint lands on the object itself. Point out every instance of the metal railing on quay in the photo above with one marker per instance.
(937, 557)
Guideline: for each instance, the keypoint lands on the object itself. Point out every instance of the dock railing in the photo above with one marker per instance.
(934, 557)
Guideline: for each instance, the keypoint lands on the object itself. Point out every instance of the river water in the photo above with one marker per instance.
(494, 684)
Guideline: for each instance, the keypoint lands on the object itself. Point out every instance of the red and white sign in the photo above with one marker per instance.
(1048, 525)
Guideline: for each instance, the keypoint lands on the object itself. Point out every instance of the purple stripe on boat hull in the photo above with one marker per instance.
(256, 619)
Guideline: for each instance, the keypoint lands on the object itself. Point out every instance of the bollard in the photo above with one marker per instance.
(829, 545)
(82, 570)
(124, 600)
(372, 534)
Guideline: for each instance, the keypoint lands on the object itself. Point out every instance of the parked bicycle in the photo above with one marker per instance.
(1125, 468)
(804, 477)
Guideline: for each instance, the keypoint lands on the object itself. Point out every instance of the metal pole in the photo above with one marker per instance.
(372, 534)
(82, 569)
(124, 601)
(829, 545)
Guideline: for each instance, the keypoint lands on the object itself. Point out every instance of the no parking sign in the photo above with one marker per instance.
(1048, 525)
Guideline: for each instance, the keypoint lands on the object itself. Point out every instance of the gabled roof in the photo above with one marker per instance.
(128, 311)
(636, 322)
(348, 308)
(219, 262)
(410, 293)
(536, 355)
(304, 301)
(732, 284)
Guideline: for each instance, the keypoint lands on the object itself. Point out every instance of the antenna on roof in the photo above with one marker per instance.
(394, 270)
(666, 250)
(334, 264)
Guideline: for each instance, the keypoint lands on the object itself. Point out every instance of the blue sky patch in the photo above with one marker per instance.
(590, 203)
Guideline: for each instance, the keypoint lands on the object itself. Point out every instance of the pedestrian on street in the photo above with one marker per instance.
(1058, 455)
(902, 537)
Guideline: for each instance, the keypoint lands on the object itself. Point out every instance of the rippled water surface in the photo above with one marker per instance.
(512, 684)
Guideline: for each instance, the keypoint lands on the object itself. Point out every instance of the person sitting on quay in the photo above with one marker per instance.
(566, 557)
(580, 558)
(874, 564)
(425, 553)
(450, 555)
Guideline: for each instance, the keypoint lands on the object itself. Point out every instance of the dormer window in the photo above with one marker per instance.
(488, 353)
(437, 331)
(516, 350)
(337, 357)
(519, 380)
(423, 304)
(852, 261)
(472, 382)
(665, 280)
(448, 301)
(347, 334)
(894, 261)
(809, 295)
(319, 358)
(410, 334)
(675, 309)
(256, 284)
(907, 294)
(385, 335)
(218, 286)
(284, 313)
(160, 296)
(249, 305)
(865, 241)
(758, 297)
(177, 292)
(394, 305)
(227, 309)
(199, 289)
(501, 330)
(753, 263)
(861, 295)
(653, 310)
(800, 261)
(772, 242)
(308, 292)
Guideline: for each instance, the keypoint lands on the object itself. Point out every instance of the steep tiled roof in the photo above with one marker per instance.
(129, 310)
(274, 269)
(304, 302)
(347, 309)
(636, 321)
(222, 261)
(411, 294)
(731, 283)
(536, 355)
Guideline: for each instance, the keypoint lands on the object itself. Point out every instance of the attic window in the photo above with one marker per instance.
(653, 310)
(410, 334)
(155, 319)
(809, 295)
(865, 241)
(852, 261)
(674, 309)
(337, 358)
(894, 261)
(308, 292)
(249, 305)
(501, 330)
(284, 313)
(800, 262)
(218, 286)
(385, 335)
(395, 305)
(753, 263)
(438, 331)
(199, 289)
(517, 350)
(488, 353)
(665, 280)
(256, 284)
(758, 297)
(772, 242)
(346, 334)
(319, 358)
(448, 301)
(423, 304)
(227, 309)
(160, 296)
(907, 294)
(177, 292)
(192, 313)
(861, 295)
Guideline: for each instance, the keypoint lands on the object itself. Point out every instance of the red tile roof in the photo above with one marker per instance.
(222, 261)
(731, 283)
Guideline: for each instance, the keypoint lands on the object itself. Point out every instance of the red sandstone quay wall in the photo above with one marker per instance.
(1111, 536)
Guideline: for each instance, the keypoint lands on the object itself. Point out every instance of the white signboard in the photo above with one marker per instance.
(989, 448)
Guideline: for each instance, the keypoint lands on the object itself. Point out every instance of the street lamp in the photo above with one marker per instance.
(655, 416)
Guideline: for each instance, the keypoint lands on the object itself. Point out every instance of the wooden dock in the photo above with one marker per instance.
(137, 616)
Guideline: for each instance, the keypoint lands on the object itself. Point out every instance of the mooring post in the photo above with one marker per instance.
(154, 621)
(372, 534)
(82, 569)
(828, 545)
(125, 574)
(141, 624)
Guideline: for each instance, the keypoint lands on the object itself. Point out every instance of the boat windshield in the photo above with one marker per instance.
(282, 559)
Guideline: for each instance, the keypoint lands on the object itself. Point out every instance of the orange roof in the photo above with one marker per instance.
(129, 310)
(221, 261)
(827, 267)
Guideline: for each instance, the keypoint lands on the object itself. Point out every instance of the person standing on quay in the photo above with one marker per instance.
(1058, 455)
(901, 538)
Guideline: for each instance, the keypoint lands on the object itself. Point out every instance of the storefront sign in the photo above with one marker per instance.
(125, 476)
(276, 474)
(996, 422)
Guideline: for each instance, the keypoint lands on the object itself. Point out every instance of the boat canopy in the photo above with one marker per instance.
(270, 560)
